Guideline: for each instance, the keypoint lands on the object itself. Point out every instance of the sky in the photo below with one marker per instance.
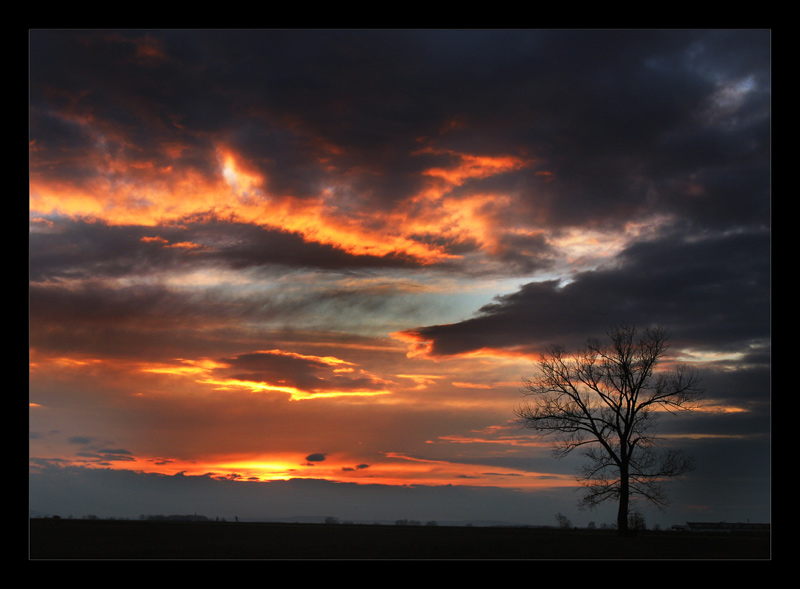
(284, 273)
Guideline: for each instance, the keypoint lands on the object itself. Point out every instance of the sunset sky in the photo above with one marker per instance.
(303, 272)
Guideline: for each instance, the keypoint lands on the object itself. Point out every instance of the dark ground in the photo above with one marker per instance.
(55, 539)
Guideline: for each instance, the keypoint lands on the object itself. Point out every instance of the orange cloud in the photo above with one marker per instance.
(295, 394)
(126, 191)
(330, 360)
(154, 239)
(203, 371)
(475, 166)
(479, 218)
(470, 385)
(186, 245)
(420, 346)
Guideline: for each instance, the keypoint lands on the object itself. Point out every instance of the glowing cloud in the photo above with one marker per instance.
(473, 166)
(270, 375)
(124, 191)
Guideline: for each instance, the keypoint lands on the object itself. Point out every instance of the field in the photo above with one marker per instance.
(125, 539)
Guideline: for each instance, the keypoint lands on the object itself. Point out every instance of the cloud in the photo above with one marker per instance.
(82, 440)
(301, 376)
(624, 124)
(676, 281)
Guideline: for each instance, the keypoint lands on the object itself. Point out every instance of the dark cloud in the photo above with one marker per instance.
(278, 369)
(147, 320)
(105, 457)
(311, 374)
(104, 321)
(99, 454)
(259, 247)
(82, 440)
(712, 293)
(67, 249)
(624, 120)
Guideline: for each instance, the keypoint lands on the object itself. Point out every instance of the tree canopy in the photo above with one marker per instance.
(605, 400)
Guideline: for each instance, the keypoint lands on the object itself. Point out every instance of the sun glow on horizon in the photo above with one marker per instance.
(394, 469)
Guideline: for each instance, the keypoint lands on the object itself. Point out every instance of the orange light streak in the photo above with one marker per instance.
(294, 393)
(421, 347)
(473, 166)
(124, 192)
(330, 360)
(189, 367)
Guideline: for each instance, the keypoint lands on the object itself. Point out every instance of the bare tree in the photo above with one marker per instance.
(604, 401)
(563, 521)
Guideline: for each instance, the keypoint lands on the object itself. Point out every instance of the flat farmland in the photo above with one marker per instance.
(61, 539)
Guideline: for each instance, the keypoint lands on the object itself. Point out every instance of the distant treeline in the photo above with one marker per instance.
(175, 518)
(157, 518)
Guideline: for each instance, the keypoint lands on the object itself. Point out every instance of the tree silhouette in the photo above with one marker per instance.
(604, 401)
(563, 521)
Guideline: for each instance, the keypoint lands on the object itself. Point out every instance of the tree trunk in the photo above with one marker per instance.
(624, 495)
